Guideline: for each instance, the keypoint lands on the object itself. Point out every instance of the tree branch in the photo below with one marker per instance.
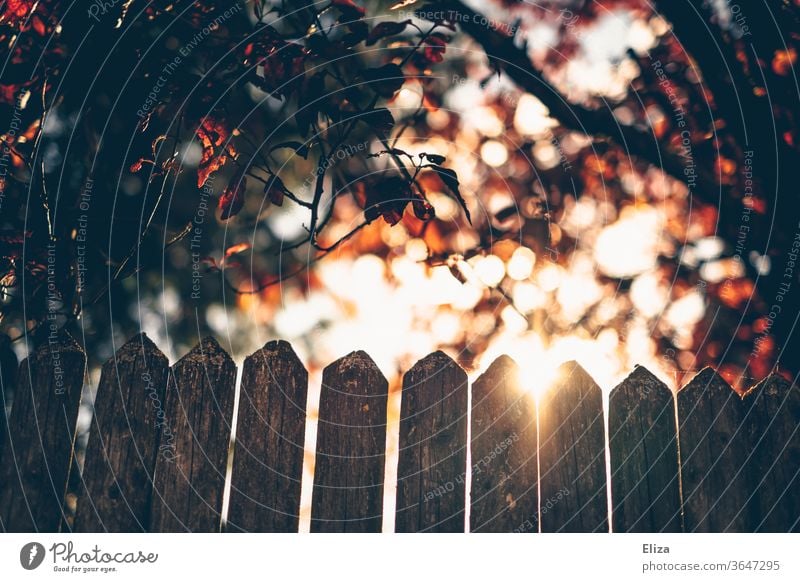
(516, 63)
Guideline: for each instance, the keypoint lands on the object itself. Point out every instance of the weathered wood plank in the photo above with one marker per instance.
(123, 440)
(645, 482)
(431, 480)
(774, 464)
(351, 447)
(190, 481)
(8, 379)
(713, 449)
(270, 435)
(505, 495)
(36, 458)
(572, 454)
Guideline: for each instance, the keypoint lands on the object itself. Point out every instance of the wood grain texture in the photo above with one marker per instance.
(504, 495)
(773, 468)
(713, 448)
(351, 447)
(572, 454)
(643, 444)
(123, 440)
(190, 479)
(8, 380)
(36, 458)
(270, 435)
(432, 458)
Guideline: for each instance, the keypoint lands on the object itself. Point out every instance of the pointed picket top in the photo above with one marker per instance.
(65, 342)
(207, 352)
(503, 365)
(572, 452)
(136, 347)
(270, 437)
(571, 375)
(277, 358)
(503, 369)
(504, 481)
(641, 381)
(276, 351)
(354, 364)
(707, 380)
(433, 363)
(351, 445)
(276, 364)
(773, 406)
(435, 373)
(772, 386)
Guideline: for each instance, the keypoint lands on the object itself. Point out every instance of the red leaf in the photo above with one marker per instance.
(435, 46)
(15, 11)
(387, 199)
(213, 135)
(348, 5)
(282, 67)
(232, 200)
(423, 210)
(235, 249)
(137, 165)
(275, 191)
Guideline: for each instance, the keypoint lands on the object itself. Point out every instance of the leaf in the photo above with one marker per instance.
(386, 29)
(299, 148)
(213, 136)
(275, 191)
(450, 179)
(380, 120)
(402, 4)
(433, 158)
(235, 249)
(232, 200)
(394, 151)
(156, 143)
(137, 165)
(277, 67)
(506, 213)
(309, 103)
(181, 234)
(210, 263)
(385, 80)
(348, 8)
(387, 199)
(423, 209)
(435, 46)
(457, 273)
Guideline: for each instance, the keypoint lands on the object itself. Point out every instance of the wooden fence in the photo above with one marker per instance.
(706, 461)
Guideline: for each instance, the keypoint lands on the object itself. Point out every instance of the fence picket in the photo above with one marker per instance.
(37, 455)
(572, 454)
(157, 453)
(8, 379)
(713, 449)
(191, 465)
(123, 443)
(644, 455)
(431, 481)
(351, 447)
(270, 434)
(774, 464)
(504, 494)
